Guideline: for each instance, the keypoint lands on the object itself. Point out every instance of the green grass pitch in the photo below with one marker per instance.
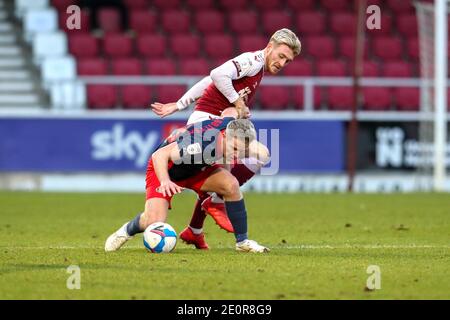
(321, 247)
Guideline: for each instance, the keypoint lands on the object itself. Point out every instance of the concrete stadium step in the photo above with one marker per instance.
(19, 99)
(18, 86)
(7, 75)
(6, 27)
(10, 50)
(7, 39)
(12, 63)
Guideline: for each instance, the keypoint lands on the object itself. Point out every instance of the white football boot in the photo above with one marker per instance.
(117, 239)
(250, 246)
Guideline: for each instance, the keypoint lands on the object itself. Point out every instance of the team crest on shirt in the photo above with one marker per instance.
(194, 148)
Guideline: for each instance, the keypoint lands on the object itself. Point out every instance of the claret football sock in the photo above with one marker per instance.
(238, 217)
(133, 226)
(198, 216)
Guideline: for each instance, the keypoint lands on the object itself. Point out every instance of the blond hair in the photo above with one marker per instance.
(243, 129)
(287, 37)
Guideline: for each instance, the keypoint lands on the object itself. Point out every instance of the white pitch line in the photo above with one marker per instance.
(317, 247)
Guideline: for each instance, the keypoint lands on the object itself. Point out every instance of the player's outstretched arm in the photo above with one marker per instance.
(161, 159)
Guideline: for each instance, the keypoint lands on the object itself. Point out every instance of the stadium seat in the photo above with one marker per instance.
(162, 66)
(377, 98)
(169, 93)
(55, 69)
(85, 22)
(386, 27)
(274, 97)
(195, 67)
(142, 21)
(407, 25)
(109, 19)
(413, 49)
(214, 63)
(200, 4)
(275, 20)
(151, 45)
(331, 68)
(321, 47)
(249, 43)
(42, 20)
(62, 5)
(22, 6)
(117, 45)
(397, 69)
(175, 21)
(400, 6)
(340, 98)
(268, 5)
(388, 48)
(219, 46)
(126, 67)
(370, 69)
(347, 47)
(233, 4)
(243, 22)
(167, 4)
(83, 45)
(407, 99)
(209, 21)
(185, 46)
(49, 44)
(310, 23)
(343, 23)
(136, 4)
(101, 96)
(68, 95)
(92, 67)
(299, 6)
(136, 96)
(299, 67)
(297, 93)
(335, 5)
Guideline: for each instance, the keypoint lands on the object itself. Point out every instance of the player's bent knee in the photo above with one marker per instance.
(231, 188)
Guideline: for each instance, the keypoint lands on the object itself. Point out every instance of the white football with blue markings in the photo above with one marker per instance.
(160, 237)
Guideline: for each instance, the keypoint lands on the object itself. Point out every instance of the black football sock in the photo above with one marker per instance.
(238, 218)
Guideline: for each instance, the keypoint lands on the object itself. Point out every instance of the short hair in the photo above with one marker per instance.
(287, 37)
(243, 129)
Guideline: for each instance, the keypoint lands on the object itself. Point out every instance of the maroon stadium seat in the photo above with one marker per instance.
(92, 67)
(126, 66)
(136, 96)
(413, 48)
(83, 45)
(214, 63)
(175, 21)
(331, 68)
(151, 45)
(185, 45)
(233, 4)
(407, 99)
(169, 93)
(347, 47)
(274, 97)
(85, 22)
(167, 4)
(219, 46)
(376, 98)
(101, 96)
(251, 43)
(117, 45)
(343, 23)
(340, 98)
(61, 5)
(299, 67)
(275, 20)
(243, 22)
(162, 66)
(335, 5)
(301, 5)
(370, 69)
(209, 21)
(397, 69)
(388, 48)
(196, 66)
(142, 21)
(267, 4)
(136, 4)
(310, 23)
(386, 24)
(109, 19)
(322, 47)
(200, 4)
(407, 25)
(400, 6)
(298, 97)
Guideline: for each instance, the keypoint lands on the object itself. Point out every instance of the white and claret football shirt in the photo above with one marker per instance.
(238, 77)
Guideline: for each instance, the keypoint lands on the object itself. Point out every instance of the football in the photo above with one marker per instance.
(160, 237)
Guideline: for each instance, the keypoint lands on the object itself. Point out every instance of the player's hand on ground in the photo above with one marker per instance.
(169, 188)
(164, 109)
